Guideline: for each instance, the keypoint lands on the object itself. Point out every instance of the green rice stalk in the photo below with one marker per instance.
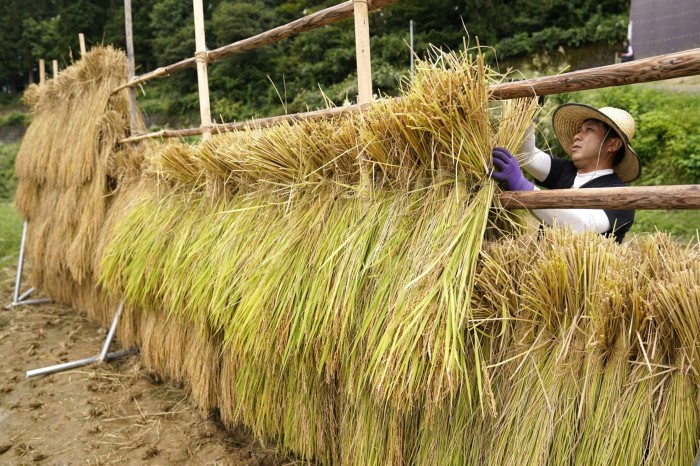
(371, 433)
(604, 382)
(676, 430)
(532, 402)
(677, 301)
(628, 438)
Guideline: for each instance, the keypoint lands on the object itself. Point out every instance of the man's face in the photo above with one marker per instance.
(588, 151)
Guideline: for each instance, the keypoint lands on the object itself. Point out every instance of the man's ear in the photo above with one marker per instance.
(615, 144)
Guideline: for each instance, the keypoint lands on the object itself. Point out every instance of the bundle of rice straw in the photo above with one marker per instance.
(68, 169)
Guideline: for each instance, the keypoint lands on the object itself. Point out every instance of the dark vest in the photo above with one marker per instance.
(562, 176)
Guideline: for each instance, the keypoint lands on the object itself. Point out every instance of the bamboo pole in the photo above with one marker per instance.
(307, 23)
(131, 65)
(364, 78)
(83, 49)
(674, 65)
(362, 52)
(202, 77)
(674, 197)
(244, 125)
(42, 71)
(54, 63)
(410, 46)
(164, 134)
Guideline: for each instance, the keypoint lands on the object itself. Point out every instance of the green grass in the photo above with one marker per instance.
(8, 182)
(10, 233)
(682, 224)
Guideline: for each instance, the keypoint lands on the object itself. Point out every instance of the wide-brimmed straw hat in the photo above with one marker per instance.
(567, 120)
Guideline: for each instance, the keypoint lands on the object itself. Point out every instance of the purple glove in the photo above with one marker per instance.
(509, 175)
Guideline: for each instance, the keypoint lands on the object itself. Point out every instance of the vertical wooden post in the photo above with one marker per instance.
(202, 77)
(410, 46)
(364, 81)
(81, 38)
(42, 72)
(55, 68)
(131, 65)
(364, 67)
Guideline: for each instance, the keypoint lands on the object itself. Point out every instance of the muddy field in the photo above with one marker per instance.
(117, 413)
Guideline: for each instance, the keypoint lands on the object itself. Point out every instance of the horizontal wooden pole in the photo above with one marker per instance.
(668, 66)
(307, 23)
(675, 197)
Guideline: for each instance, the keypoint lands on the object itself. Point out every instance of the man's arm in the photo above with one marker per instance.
(539, 165)
(536, 162)
(579, 220)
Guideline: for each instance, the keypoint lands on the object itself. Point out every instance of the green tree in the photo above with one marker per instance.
(19, 64)
(240, 84)
(172, 26)
(43, 37)
(80, 16)
(172, 23)
(143, 36)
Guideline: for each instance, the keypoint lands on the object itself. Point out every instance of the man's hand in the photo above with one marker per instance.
(508, 172)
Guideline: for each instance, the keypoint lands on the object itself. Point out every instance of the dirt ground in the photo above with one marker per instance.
(116, 413)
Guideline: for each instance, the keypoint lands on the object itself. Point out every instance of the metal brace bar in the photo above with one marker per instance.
(17, 299)
(103, 356)
(81, 362)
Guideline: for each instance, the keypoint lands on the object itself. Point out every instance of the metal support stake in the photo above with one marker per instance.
(18, 299)
(103, 356)
(20, 263)
(110, 334)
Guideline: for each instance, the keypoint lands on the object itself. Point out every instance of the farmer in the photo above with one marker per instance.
(628, 53)
(597, 142)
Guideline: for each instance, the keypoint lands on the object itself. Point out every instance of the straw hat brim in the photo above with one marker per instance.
(567, 120)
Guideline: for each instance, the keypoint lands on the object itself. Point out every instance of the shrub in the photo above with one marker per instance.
(15, 118)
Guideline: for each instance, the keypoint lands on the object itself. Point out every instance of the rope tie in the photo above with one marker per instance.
(202, 56)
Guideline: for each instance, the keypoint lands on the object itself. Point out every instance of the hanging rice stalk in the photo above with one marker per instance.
(676, 429)
(67, 173)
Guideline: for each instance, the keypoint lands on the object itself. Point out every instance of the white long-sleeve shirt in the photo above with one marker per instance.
(629, 52)
(538, 164)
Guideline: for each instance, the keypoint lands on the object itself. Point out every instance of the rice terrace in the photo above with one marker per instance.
(346, 286)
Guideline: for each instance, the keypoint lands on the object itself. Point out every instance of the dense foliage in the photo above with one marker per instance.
(297, 72)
